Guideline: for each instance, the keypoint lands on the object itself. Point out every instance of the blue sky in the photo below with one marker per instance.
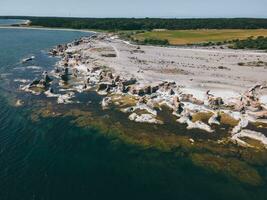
(136, 8)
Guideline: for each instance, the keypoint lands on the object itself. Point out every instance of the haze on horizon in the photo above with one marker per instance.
(135, 8)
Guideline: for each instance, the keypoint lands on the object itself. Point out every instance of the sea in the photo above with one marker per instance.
(54, 159)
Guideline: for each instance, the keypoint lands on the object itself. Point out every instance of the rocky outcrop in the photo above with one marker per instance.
(144, 118)
(149, 98)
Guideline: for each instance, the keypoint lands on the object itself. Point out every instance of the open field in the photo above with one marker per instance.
(182, 37)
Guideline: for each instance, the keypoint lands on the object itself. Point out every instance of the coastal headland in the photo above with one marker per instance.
(205, 91)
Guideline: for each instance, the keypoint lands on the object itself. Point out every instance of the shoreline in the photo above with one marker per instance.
(98, 63)
(87, 84)
(48, 29)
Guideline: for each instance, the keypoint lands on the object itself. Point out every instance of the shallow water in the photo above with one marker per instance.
(54, 159)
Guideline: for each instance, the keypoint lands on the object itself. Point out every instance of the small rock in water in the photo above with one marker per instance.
(19, 103)
(28, 59)
(106, 102)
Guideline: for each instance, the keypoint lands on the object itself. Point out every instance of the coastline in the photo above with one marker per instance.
(43, 28)
(142, 110)
(145, 87)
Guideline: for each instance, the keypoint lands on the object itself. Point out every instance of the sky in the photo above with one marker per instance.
(136, 8)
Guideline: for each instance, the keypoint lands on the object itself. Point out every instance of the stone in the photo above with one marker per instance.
(103, 86)
(117, 79)
(190, 98)
(46, 77)
(131, 81)
(65, 98)
(144, 118)
(178, 106)
(199, 125)
(215, 119)
(35, 82)
(106, 102)
(259, 115)
(215, 101)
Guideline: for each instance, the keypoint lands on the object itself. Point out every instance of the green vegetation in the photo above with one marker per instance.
(203, 36)
(251, 43)
(156, 31)
(145, 23)
(154, 42)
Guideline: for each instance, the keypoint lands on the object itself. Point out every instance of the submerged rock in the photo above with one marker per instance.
(19, 103)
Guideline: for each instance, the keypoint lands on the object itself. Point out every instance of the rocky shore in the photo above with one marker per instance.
(92, 64)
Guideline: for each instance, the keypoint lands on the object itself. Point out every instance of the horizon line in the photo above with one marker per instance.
(159, 17)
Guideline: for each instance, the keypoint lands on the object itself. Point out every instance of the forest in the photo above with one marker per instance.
(145, 23)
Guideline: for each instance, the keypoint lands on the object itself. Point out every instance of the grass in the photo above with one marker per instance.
(183, 37)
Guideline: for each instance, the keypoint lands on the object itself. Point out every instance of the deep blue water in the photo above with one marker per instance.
(52, 159)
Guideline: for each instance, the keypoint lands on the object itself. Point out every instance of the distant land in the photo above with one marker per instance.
(145, 23)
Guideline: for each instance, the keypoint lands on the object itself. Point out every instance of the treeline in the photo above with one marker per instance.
(251, 43)
(146, 23)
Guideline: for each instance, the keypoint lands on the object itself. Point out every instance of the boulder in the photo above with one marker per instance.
(34, 83)
(46, 77)
(154, 88)
(190, 98)
(104, 86)
(117, 79)
(42, 84)
(215, 119)
(131, 81)
(178, 106)
(215, 101)
(106, 102)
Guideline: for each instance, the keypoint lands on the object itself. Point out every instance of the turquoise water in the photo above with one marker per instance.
(52, 159)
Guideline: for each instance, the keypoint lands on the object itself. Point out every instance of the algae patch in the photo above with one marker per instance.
(230, 167)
